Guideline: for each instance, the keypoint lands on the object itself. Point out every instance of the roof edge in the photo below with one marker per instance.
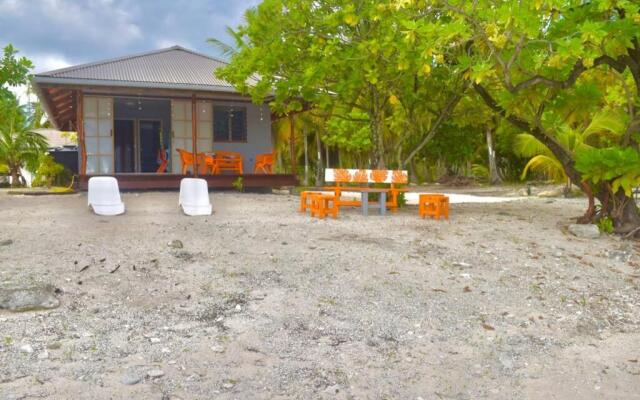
(128, 57)
(133, 84)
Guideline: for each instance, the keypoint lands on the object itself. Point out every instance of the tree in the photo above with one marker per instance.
(19, 147)
(526, 55)
(13, 71)
(363, 64)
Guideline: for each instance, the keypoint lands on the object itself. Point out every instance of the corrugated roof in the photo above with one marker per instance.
(173, 67)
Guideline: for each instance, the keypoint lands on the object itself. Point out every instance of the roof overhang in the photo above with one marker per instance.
(131, 84)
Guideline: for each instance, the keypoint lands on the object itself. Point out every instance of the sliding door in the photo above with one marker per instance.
(98, 132)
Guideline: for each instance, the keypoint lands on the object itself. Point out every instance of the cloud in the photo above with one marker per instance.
(58, 33)
(79, 31)
(48, 62)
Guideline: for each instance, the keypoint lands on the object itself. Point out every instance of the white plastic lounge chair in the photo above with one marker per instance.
(194, 197)
(104, 196)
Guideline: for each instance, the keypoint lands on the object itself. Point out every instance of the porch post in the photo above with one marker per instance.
(292, 145)
(194, 133)
(82, 170)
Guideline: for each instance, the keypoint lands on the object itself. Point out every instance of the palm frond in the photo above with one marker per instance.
(526, 145)
(547, 166)
(226, 50)
(606, 123)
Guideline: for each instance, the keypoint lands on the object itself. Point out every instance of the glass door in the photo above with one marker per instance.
(149, 144)
(98, 130)
(125, 145)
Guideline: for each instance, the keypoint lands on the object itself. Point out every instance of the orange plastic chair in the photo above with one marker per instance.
(264, 163)
(206, 164)
(187, 160)
(162, 159)
(229, 161)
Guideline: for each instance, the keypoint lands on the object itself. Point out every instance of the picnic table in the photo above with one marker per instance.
(364, 201)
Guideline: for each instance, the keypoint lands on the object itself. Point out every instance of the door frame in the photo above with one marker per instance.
(136, 141)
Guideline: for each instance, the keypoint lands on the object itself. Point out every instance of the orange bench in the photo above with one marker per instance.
(433, 205)
(364, 177)
(228, 161)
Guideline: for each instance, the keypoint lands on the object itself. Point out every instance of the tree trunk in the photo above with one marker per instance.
(494, 177)
(15, 177)
(622, 210)
(319, 166)
(378, 142)
(306, 159)
(327, 163)
(590, 214)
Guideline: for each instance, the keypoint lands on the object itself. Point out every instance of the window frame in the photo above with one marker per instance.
(217, 107)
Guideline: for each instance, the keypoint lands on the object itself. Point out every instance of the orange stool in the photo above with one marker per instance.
(434, 206)
(323, 205)
(304, 200)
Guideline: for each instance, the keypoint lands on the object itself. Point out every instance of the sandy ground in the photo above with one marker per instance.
(265, 303)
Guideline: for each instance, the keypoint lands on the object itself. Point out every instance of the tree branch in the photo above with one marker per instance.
(562, 154)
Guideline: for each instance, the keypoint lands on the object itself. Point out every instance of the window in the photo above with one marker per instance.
(229, 124)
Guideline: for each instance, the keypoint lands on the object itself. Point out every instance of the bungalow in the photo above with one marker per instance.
(132, 115)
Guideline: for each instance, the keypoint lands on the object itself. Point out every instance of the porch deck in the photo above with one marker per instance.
(172, 181)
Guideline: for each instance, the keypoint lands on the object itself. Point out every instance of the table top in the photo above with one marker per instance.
(357, 189)
(366, 190)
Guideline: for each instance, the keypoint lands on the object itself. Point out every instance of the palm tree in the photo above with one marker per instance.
(19, 147)
(605, 125)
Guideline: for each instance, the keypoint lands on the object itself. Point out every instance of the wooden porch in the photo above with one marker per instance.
(172, 181)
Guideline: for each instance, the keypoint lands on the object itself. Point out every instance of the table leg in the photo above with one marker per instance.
(364, 200)
(383, 203)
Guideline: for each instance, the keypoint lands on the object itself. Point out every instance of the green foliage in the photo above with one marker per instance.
(604, 128)
(388, 81)
(367, 58)
(50, 173)
(606, 225)
(19, 147)
(238, 184)
(618, 166)
(480, 172)
(351, 133)
(402, 200)
(13, 71)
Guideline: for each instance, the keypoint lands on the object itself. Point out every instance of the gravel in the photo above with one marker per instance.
(497, 303)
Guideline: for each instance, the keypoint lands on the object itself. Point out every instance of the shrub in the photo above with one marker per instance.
(605, 225)
(50, 173)
(238, 184)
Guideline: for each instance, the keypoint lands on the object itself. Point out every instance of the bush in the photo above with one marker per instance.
(606, 225)
(50, 173)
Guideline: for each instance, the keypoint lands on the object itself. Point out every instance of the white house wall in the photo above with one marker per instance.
(259, 138)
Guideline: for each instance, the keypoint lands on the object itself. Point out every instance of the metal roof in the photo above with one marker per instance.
(171, 68)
